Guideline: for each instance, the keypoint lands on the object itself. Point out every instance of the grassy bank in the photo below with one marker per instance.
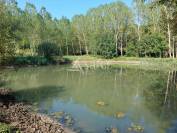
(4, 128)
(149, 63)
(123, 58)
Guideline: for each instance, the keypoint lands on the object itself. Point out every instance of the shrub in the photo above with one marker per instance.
(4, 128)
(132, 49)
(31, 60)
(153, 45)
(105, 46)
(48, 49)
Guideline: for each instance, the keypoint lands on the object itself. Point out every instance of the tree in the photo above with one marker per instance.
(113, 19)
(108, 30)
(65, 27)
(169, 14)
(31, 26)
(139, 11)
(79, 23)
(7, 34)
(48, 49)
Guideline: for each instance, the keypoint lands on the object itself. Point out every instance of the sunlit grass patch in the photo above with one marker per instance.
(4, 128)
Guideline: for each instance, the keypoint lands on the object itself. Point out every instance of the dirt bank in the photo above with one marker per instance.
(21, 117)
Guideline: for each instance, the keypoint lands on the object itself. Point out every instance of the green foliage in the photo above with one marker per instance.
(132, 49)
(108, 30)
(105, 46)
(48, 49)
(7, 37)
(4, 128)
(31, 60)
(153, 45)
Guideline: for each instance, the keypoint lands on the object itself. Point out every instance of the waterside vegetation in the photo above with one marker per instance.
(29, 36)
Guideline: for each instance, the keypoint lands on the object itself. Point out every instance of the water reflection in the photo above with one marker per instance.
(146, 97)
(164, 97)
(38, 94)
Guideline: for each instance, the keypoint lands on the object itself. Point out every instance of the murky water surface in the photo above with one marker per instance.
(94, 101)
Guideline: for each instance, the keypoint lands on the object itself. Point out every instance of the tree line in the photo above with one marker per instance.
(147, 29)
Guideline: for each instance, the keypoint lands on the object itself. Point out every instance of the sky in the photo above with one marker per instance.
(68, 8)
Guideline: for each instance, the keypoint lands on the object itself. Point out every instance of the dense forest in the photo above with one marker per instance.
(147, 29)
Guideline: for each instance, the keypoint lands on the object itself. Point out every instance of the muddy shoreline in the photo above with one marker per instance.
(20, 116)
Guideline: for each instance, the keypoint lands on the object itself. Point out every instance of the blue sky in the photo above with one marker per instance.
(68, 8)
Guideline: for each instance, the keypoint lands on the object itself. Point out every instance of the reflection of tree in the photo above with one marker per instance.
(170, 96)
(117, 88)
(123, 89)
(170, 99)
(162, 96)
(171, 88)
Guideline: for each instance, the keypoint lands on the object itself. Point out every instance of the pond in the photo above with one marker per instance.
(127, 99)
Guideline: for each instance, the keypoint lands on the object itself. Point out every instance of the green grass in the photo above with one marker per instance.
(93, 58)
(4, 128)
(83, 58)
(147, 63)
(153, 63)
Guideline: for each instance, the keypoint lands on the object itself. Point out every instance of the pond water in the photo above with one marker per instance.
(145, 98)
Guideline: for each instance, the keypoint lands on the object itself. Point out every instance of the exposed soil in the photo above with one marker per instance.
(21, 117)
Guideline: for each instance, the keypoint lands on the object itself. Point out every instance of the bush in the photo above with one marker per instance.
(153, 45)
(48, 49)
(31, 60)
(4, 128)
(7, 34)
(105, 46)
(132, 49)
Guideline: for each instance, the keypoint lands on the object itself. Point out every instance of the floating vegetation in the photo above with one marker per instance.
(111, 130)
(58, 115)
(101, 103)
(68, 120)
(136, 128)
(120, 115)
(64, 118)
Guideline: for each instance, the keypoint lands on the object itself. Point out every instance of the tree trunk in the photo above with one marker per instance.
(139, 37)
(121, 46)
(73, 48)
(67, 51)
(86, 47)
(61, 53)
(169, 40)
(116, 38)
(80, 47)
(167, 88)
(169, 32)
(154, 26)
(173, 47)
